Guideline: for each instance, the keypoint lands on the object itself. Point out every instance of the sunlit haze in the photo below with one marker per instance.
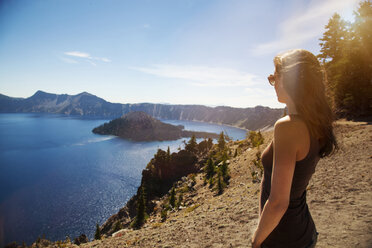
(206, 52)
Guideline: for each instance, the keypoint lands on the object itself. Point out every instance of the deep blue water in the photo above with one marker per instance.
(57, 178)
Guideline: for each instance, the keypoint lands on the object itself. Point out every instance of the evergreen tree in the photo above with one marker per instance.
(160, 157)
(168, 154)
(172, 198)
(210, 143)
(362, 27)
(220, 183)
(225, 172)
(333, 39)
(209, 169)
(141, 209)
(360, 60)
(346, 54)
(221, 141)
(191, 146)
(333, 51)
(211, 182)
(97, 235)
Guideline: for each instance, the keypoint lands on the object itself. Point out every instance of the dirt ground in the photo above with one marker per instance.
(339, 198)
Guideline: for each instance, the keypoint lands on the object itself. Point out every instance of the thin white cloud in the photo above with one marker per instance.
(146, 25)
(82, 55)
(202, 75)
(91, 62)
(305, 25)
(105, 60)
(78, 54)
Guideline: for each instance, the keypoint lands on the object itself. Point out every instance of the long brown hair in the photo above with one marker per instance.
(304, 81)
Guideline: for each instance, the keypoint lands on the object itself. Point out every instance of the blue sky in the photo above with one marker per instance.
(210, 52)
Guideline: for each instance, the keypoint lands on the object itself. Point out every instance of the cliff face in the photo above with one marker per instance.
(157, 179)
(85, 104)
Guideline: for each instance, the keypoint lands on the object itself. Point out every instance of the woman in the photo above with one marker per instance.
(300, 139)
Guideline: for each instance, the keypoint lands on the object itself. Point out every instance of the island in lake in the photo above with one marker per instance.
(139, 126)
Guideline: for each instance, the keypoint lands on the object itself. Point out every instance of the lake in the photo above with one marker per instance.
(58, 179)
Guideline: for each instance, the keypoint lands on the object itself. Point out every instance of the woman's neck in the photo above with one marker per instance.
(291, 109)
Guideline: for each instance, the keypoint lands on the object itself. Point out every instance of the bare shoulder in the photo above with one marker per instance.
(290, 126)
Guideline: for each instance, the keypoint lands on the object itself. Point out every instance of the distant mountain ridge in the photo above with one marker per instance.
(85, 104)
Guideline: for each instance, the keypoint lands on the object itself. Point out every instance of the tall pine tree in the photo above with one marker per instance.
(346, 52)
(333, 39)
(209, 169)
(332, 54)
(191, 146)
(97, 234)
(359, 92)
(172, 197)
(139, 220)
(221, 141)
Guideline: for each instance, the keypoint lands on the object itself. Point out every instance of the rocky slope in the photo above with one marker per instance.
(339, 198)
(85, 104)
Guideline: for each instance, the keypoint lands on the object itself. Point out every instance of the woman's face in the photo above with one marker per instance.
(279, 89)
(277, 81)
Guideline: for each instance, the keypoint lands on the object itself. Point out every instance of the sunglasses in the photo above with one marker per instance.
(271, 79)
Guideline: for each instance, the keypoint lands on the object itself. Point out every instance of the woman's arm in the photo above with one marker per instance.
(285, 149)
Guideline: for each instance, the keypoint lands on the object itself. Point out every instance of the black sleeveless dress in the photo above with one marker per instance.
(296, 228)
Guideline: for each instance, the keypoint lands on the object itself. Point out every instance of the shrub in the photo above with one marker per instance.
(118, 226)
(180, 199)
(255, 138)
(192, 208)
(192, 176)
(163, 214)
(257, 168)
